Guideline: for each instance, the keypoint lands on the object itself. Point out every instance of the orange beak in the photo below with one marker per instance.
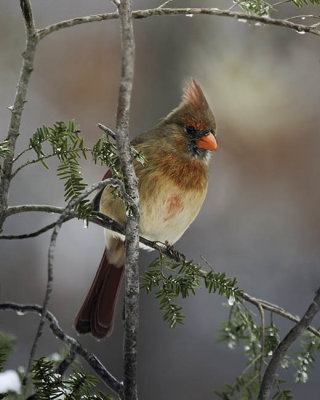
(208, 142)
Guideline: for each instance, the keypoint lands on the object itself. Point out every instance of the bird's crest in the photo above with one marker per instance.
(193, 95)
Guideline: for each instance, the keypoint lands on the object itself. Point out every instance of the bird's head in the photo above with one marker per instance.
(193, 123)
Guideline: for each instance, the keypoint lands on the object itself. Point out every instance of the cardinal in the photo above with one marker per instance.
(172, 187)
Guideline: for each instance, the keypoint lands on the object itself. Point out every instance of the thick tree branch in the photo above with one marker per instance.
(90, 358)
(139, 14)
(34, 208)
(131, 301)
(18, 105)
(28, 16)
(281, 350)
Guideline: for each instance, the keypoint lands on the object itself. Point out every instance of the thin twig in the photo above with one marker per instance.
(281, 2)
(261, 312)
(235, 4)
(131, 186)
(303, 17)
(248, 384)
(21, 154)
(32, 234)
(165, 3)
(116, 2)
(44, 158)
(281, 350)
(67, 361)
(107, 130)
(139, 14)
(18, 105)
(91, 359)
(251, 363)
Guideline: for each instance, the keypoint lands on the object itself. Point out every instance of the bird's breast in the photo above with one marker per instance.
(168, 210)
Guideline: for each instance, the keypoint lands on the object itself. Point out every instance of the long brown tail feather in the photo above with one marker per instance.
(96, 316)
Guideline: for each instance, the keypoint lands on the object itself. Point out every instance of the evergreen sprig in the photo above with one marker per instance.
(49, 385)
(68, 146)
(7, 343)
(258, 7)
(301, 3)
(264, 8)
(306, 357)
(180, 279)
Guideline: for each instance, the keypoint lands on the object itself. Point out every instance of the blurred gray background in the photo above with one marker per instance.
(260, 221)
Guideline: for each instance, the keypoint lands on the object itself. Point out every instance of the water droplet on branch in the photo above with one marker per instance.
(231, 300)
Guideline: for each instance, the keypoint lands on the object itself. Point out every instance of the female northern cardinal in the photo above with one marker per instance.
(172, 187)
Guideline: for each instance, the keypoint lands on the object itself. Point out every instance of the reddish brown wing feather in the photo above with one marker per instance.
(96, 316)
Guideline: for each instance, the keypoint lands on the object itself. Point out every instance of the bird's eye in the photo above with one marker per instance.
(190, 130)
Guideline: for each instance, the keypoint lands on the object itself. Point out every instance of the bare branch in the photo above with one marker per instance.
(165, 3)
(106, 377)
(281, 350)
(139, 14)
(32, 234)
(67, 361)
(27, 15)
(107, 130)
(33, 208)
(18, 105)
(131, 301)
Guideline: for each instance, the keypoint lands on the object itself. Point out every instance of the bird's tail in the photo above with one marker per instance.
(96, 315)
